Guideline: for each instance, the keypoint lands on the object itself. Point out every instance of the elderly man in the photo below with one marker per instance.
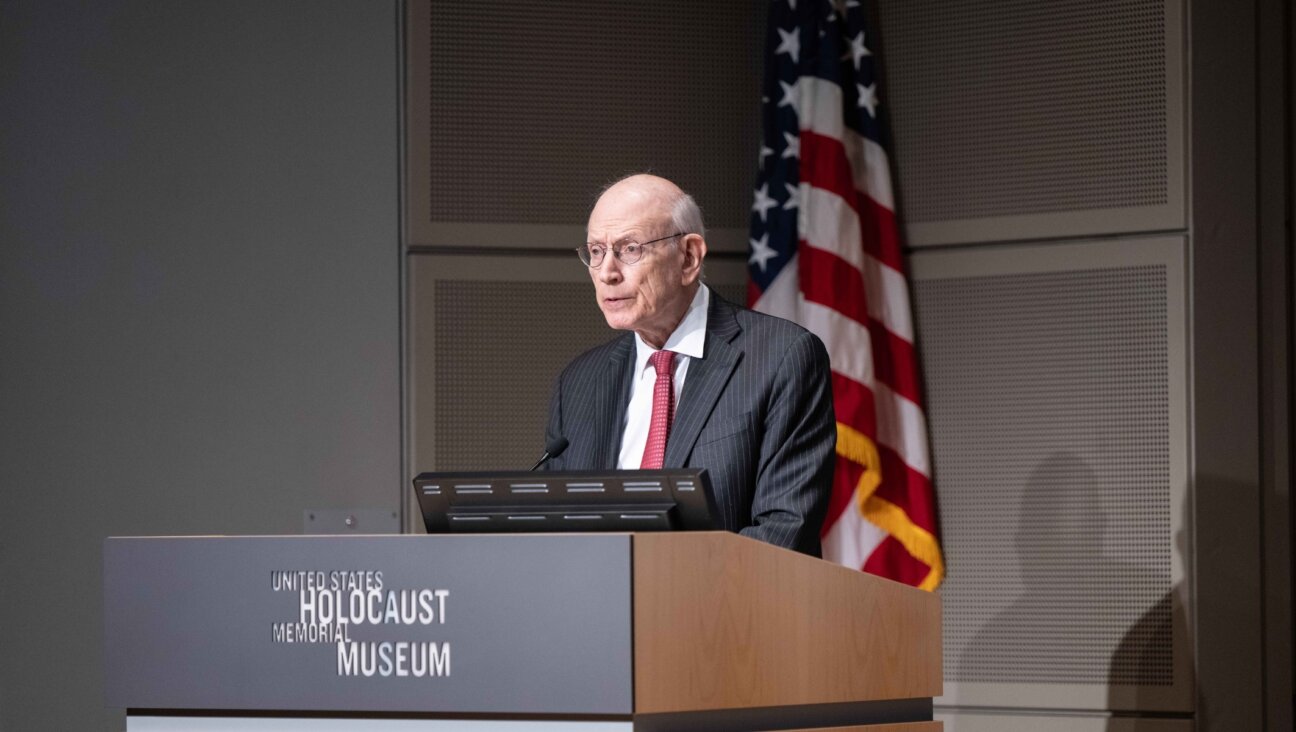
(698, 381)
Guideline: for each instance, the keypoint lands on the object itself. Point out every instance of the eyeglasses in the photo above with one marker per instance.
(626, 251)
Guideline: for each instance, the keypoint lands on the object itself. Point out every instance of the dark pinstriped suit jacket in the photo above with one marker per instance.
(756, 412)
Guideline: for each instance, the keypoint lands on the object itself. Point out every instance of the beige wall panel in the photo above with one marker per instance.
(1057, 404)
(1022, 119)
(518, 111)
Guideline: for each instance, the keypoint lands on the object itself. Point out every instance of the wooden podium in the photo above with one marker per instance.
(647, 631)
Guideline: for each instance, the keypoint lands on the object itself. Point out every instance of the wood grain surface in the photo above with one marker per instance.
(724, 622)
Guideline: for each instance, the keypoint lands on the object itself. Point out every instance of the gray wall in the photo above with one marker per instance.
(199, 297)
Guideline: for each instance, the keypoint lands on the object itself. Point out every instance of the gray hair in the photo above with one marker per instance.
(686, 215)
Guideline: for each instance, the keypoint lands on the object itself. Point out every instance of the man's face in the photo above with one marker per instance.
(651, 296)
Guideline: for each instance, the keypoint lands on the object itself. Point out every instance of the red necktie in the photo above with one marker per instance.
(663, 410)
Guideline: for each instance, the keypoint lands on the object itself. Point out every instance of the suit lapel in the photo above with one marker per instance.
(704, 382)
(615, 383)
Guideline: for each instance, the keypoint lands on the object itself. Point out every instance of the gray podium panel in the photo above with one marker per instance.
(463, 624)
(136, 723)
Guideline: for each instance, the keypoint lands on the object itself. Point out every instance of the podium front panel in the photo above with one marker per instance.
(483, 624)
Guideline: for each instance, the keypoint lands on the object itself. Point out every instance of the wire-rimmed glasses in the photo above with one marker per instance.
(626, 251)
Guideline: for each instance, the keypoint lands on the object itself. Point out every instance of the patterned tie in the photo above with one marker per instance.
(663, 410)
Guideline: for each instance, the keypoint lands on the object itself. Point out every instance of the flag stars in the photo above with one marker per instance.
(765, 152)
(790, 98)
(868, 98)
(793, 148)
(793, 195)
(789, 43)
(763, 202)
(761, 252)
(858, 49)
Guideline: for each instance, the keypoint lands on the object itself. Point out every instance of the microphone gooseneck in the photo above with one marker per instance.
(553, 449)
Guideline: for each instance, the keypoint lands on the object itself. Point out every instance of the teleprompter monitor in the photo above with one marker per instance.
(677, 499)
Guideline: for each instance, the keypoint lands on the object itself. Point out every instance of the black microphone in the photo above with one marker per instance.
(552, 450)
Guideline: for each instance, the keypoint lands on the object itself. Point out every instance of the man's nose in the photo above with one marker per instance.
(610, 272)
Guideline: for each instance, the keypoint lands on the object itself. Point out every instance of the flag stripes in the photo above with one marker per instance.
(826, 252)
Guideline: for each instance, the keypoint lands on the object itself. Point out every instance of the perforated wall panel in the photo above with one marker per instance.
(1049, 403)
(499, 346)
(531, 105)
(1017, 108)
(1049, 415)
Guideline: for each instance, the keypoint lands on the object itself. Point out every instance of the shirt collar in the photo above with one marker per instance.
(689, 336)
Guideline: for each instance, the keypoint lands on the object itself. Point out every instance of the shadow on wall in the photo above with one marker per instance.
(1137, 679)
(1095, 605)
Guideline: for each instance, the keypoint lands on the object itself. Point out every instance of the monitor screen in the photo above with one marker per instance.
(677, 499)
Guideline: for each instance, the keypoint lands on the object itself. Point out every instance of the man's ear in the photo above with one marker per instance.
(694, 248)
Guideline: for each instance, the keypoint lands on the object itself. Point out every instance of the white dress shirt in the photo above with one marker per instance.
(687, 342)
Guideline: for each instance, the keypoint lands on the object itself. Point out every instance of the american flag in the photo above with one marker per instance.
(825, 252)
